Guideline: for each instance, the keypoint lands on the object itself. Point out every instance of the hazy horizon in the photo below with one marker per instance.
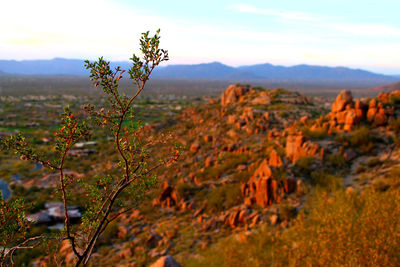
(211, 62)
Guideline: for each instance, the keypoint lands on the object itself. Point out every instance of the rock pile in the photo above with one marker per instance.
(377, 115)
(241, 215)
(347, 113)
(251, 120)
(386, 97)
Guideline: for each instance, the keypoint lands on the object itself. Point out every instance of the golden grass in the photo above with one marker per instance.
(338, 229)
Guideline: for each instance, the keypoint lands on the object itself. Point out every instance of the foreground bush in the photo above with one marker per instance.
(106, 195)
(339, 230)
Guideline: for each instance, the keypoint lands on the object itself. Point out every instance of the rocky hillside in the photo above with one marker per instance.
(388, 87)
(252, 159)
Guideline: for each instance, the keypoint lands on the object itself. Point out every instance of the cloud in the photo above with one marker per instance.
(47, 28)
(334, 25)
(287, 15)
(367, 29)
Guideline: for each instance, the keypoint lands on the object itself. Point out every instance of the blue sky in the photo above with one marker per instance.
(359, 34)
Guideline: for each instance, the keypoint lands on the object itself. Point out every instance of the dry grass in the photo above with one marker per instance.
(336, 229)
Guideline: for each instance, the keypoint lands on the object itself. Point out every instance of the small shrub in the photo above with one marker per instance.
(343, 138)
(360, 136)
(394, 100)
(287, 212)
(381, 185)
(395, 173)
(109, 233)
(242, 177)
(395, 125)
(362, 139)
(284, 114)
(279, 174)
(186, 190)
(224, 197)
(326, 181)
(360, 169)
(26, 255)
(227, 165)
(337, 161)
(304, 165)
(374, 162)
(258, 88)
(317, 134)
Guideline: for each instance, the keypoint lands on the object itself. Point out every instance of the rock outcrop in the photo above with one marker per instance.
(262, 99)
(168, 196)
(274, 159)
(347, 113)
(263, 190)
(297, 146)
(233, 94)
(377, 115)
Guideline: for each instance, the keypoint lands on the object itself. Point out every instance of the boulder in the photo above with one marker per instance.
(231, 119)
(122, 232)
(208, 138)
(342, 100)
(233, 93)
(194, 147)
(125, 253)
(247, 115)
(261, 100)
(168, 196)
(360, 109)
(372, 110)
(209, 162)
(380, 119)
(274, 219)
(241, 168)
(377, 115)
(166, 261)
(351, 120)
(303, 120)
(237, 216)
(232, 134)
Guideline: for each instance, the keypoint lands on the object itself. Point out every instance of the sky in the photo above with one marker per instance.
(353, 33)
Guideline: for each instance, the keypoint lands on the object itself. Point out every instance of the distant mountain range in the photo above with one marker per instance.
(214, 70)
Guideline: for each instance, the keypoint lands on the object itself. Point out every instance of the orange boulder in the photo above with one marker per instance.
(233, 93)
